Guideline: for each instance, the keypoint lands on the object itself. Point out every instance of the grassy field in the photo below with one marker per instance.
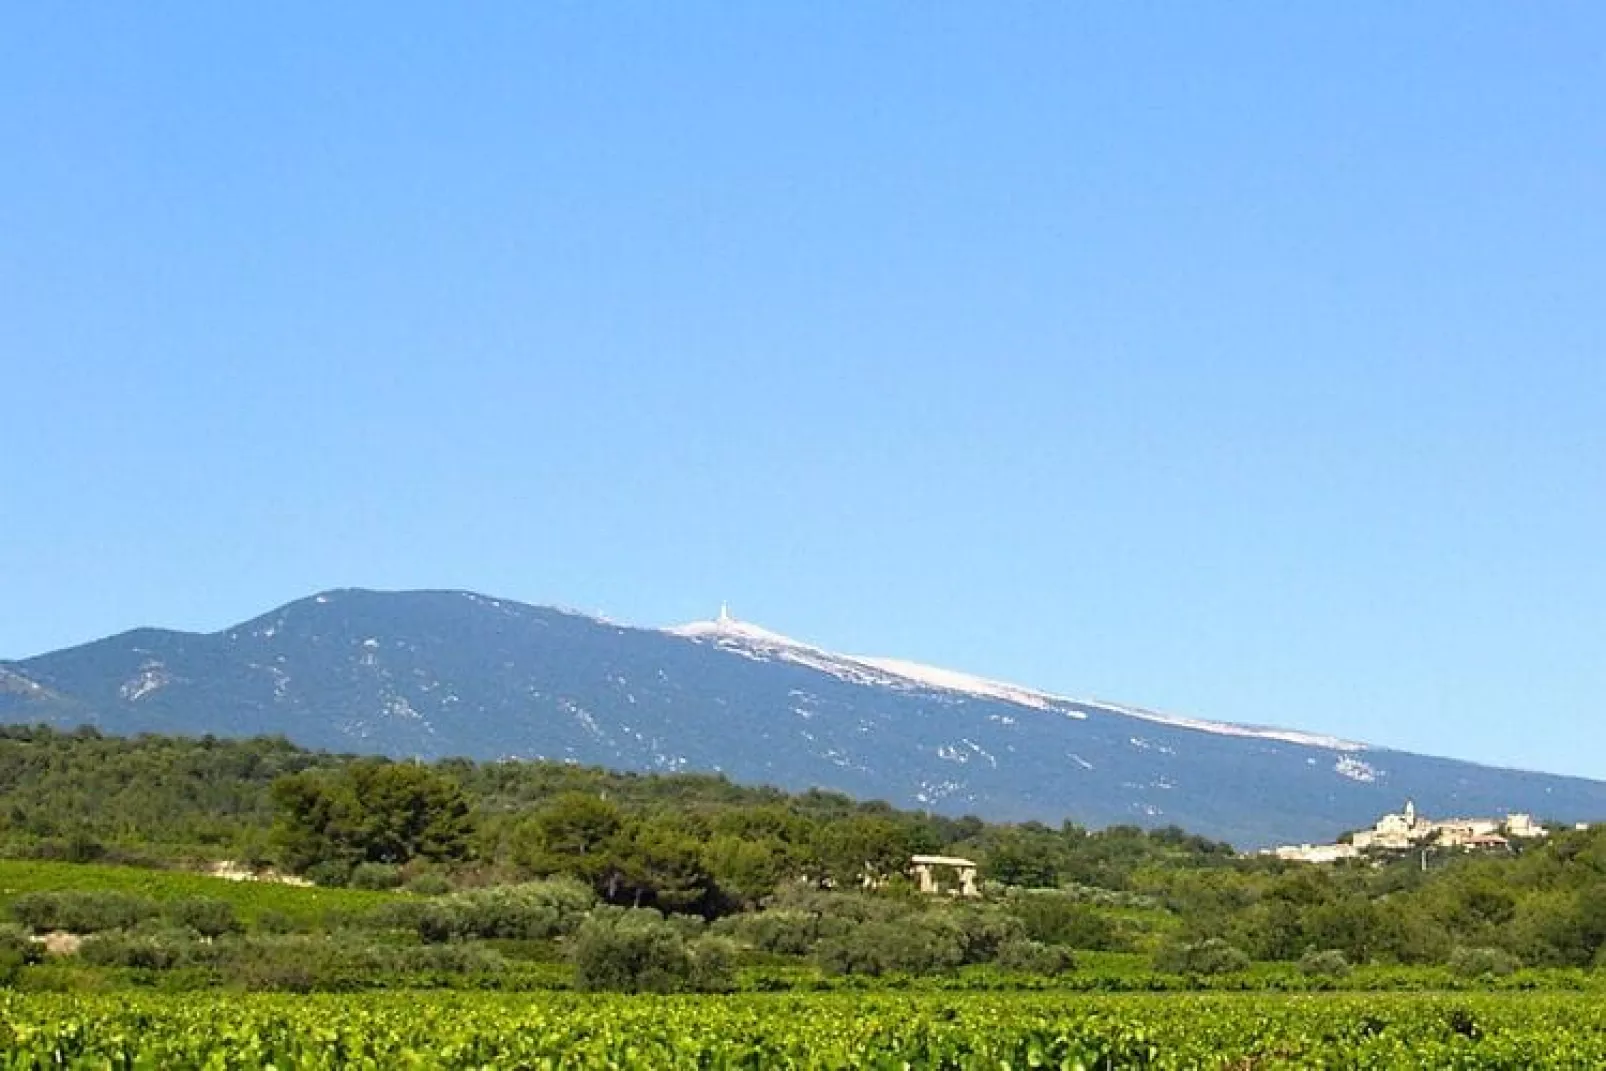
(308, 907)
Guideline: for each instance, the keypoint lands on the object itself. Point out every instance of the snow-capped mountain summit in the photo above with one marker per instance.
(743, 637)
(726, 627)
(754, 641)
(438, 673)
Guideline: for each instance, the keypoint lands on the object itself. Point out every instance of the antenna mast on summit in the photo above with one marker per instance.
(724, 614)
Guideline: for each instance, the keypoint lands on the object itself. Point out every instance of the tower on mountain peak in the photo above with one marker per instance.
(725, 617)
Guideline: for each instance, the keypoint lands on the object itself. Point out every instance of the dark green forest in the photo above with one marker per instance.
(705, 874)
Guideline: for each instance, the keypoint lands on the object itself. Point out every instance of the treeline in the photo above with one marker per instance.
(812, 874)
(1542, 906)
(680, 842)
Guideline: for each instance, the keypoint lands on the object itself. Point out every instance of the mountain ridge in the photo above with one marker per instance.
(439, 673)
(728, 627)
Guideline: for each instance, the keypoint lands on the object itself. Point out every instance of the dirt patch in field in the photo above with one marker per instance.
(229, 870)
(60, 942)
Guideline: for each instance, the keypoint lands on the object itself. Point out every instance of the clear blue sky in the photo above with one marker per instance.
(1243, 361)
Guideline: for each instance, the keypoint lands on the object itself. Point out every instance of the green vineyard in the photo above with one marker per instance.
(880, 1031)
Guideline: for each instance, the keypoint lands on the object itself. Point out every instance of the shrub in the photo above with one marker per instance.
(81, 911)
(291, 974)
(1210, 956)
(1059, 918)
(876, 948)
(449, 959)
(305, 963)
(397, 914)
(377, 876)
(439, 923)
(784, 931)
(1328, 963)
(713, 961)
(540, 909)
(429, 885)
(203, 914)
(1092, 894)
(688, 926)
(330, 874)
(16, 950)
(636, 951)
(1034, 957)
(275, 921)
(848, 907)
(1481, 962)
(156, 950)
(80, 847)
(979, 931)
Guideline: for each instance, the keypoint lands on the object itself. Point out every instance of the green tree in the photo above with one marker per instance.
(371, 811)
(745, 870)
(409, 811)
(665, 864)
(863, 848)
(1353, 925)
(576, 833)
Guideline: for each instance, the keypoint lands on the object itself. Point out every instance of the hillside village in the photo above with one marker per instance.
(1407, 829)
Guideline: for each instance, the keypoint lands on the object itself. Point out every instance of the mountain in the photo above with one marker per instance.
(434, 674)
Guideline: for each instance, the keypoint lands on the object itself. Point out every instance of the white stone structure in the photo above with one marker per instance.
(1463, 832)
(1523, 825)
(1316, 853)
(923, 867)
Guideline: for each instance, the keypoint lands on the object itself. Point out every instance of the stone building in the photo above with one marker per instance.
(933, 872)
